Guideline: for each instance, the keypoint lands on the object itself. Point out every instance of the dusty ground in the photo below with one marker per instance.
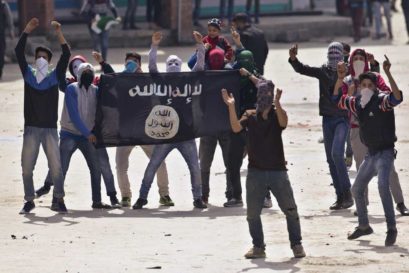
(181, 239)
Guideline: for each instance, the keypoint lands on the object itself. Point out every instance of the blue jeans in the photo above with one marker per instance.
(376, 6)
(100, 42)
(188, 150)
(32, 139)
(106, 171)
(380, 163)
(258, 184)
(335, 131)
(68, 146)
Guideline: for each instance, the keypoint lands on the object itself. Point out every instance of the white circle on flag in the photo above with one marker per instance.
(162, 122)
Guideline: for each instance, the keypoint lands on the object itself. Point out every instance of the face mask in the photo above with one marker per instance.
(246, 60)
(173, 64)
(75, 66)
(216, 59)
(265, 96)
(41, 69)
(359, 67)
(334, 55)
(87, 77)
(366, 95)
(131, 67)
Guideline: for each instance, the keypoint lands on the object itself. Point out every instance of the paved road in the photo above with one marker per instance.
(181, 239)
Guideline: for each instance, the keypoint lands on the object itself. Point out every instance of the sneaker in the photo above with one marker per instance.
(115, 202)
(402, 209)
(391, 235)
(298, 251)
(140, 203)
(348, 161)
(337, 205)
(58, 205)
(126, 202)
(43, 191)
(166, 201)
(100, 205)
(199, 204)
(360, 232)
(347, 200)
(233, 203)
(28, 206)
(255, 253)
(267, 203)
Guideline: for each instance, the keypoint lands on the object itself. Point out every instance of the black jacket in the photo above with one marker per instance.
(253, 39)
(327, 79)
(377, 127)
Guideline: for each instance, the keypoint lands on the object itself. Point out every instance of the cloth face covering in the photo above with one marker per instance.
(173, 64)
(131, 66)
(75, 66)
(366, 95)
(359, 67)
(87, 77)
(246, 60)
(335, 55)
(265, 95)
(41, 69)
(216, 59)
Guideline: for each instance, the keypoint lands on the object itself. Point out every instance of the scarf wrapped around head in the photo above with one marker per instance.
(335, 55)
(173, 64)
(265, 95)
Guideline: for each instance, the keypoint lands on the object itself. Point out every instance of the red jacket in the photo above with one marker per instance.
(220, 42)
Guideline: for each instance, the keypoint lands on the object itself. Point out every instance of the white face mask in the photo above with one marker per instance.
(75, 66)
(366, 95)
(41, 69)
(173, 64)
(359, 67)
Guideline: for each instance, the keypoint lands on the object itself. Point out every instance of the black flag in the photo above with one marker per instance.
(144, 108)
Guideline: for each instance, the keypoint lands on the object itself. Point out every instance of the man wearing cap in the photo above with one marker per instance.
(253, 39)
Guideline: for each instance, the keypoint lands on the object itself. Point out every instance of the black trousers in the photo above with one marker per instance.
(405, 8)
(2, 51)
(153, 7)
(129, 17)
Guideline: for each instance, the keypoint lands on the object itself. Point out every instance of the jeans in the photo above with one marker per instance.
(68, 146)
(106, 171)
(335, 132)
(100, 42)
(230, 7)
(129, 17)
(349, 152)
(234, 162)
(48, 139)
(122, 165)
(207, 149)
(257, 185)
(378, 16)
(405, 9)
(380, 163)
(249, 3)
(196, 11)
(188, 150)
(360, 151)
